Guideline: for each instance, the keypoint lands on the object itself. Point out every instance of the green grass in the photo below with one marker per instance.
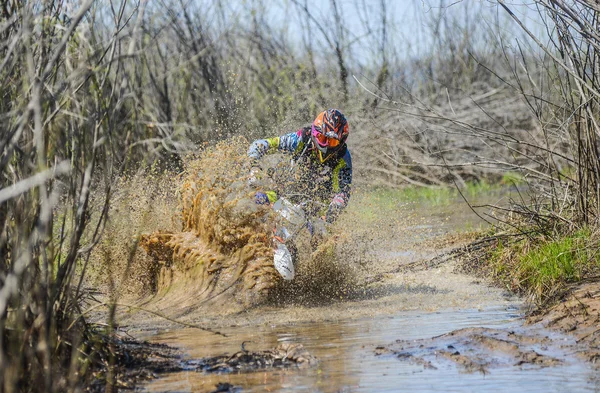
(543, 267)
(386, 198)
(512, 178)
(433, 196)
(369, 205)
(475, 189)
(564, 260)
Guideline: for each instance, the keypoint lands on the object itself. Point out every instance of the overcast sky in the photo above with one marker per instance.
(409, 21)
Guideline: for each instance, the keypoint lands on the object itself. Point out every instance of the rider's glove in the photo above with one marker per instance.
(335, 207)
(261, 198)
(265, 198)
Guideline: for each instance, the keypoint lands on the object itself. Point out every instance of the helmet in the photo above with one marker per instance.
(329, 131)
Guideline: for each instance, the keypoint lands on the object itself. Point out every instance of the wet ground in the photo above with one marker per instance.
(422, 328)
(352, 360)
(345, 350)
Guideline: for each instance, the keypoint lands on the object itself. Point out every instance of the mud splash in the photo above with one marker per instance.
(224, 245)
(223, 255)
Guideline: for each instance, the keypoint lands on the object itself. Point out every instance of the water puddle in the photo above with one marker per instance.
(347, 363)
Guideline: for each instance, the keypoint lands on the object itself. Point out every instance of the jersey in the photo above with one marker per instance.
(330, 179)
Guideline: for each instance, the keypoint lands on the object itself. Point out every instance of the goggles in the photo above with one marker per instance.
(329, 139)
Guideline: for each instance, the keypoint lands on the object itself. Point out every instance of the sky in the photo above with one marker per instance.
(409, 22)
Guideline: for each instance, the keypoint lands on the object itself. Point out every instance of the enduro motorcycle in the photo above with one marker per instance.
(293, 218)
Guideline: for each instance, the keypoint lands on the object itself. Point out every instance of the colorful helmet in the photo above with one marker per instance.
(329, 131)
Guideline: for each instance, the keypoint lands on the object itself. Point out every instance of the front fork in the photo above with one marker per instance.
(283, 236)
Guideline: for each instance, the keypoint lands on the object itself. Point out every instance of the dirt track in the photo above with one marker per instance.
(382, 283)
(566, 338)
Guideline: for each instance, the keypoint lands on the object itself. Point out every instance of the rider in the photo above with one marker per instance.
(322, 156)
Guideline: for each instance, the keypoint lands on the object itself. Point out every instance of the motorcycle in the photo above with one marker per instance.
(292, 219)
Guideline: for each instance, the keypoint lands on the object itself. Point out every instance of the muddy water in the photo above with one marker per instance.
(344, 334)
(345, 350)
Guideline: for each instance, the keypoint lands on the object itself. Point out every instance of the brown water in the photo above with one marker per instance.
(347, 363)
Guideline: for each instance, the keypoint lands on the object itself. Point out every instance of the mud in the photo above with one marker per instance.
(577, 315)
(476, 350)
(343, 349)
(135, 362)
(378, 302)
(349, 338)
(551, 337)
(223, 254)
(139, 361)
(283, 356)
(224, 246)
(542, 355)
(563, 337)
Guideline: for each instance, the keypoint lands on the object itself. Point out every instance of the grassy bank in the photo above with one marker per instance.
(542, 268)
